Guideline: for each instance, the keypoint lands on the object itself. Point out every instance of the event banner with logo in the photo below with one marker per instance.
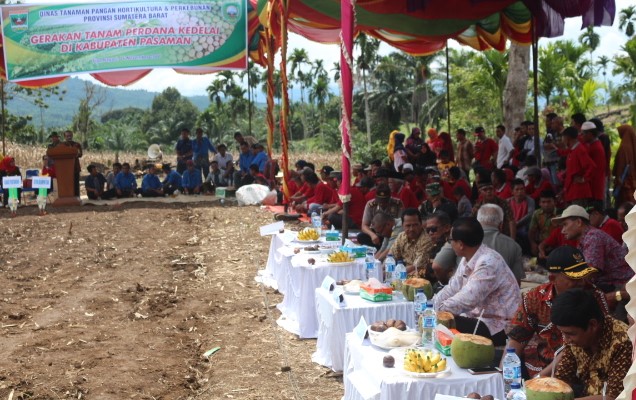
(52, 40)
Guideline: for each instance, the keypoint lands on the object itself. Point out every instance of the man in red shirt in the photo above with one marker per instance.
(536, 183)
(599, 219)
(596, 152)
(401, 192)
(485, 149)
(356, 208)
(579, 170)
(322, 194)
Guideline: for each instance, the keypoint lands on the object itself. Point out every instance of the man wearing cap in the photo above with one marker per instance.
(487, 193)
(485, 149)
(183, 148)
(505, 147)
(172, 182)
(401, 191)
(382, 203)
(150, 184)
(567, 269)
(600, 251)
(435, 201)
(191, 179)
(579, 170)
(483, 285)
(413, 246)
(589, 136)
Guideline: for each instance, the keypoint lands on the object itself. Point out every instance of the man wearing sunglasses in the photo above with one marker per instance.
(482, 285)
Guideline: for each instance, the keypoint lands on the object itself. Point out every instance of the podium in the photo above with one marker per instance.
(64, 157)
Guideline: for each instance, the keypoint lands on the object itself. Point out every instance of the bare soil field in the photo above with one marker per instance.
(121, 302)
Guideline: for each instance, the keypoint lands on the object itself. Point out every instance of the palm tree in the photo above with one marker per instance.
(627, 18)
(365, 61)
(318, 94)
(590, 39)
(494, 73)
(336, 71)
(419, 71)
(297, 59)
(626, 66)
(318, 69)
(253, 78)
(216, 92)
(603, 62)
(390, 95)
(551, 66)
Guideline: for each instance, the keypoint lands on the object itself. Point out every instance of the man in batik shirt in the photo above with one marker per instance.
(413, 246)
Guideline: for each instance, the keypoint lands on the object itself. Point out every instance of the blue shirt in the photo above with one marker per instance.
(173, 178)
(183, 147)
(201, 150)
(125, 181)
(150, 181)
(192, 179)
(245, 160)
(260, 159)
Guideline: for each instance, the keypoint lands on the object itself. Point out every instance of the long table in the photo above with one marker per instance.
(366, 379)
(337, 319)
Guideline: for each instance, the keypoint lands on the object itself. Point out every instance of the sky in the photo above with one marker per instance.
(189, 85)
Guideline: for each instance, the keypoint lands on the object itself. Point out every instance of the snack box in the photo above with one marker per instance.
(376, 294)
(443, 342)
(332, 236)
(357, 251)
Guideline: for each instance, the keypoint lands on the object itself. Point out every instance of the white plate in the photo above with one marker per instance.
(398, 355)
(308, 241)
(373, 338)
(310, 251)
(352, 292)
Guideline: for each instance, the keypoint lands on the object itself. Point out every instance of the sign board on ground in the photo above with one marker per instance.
(57, 40)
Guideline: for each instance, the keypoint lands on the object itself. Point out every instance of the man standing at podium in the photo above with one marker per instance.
(68, 136)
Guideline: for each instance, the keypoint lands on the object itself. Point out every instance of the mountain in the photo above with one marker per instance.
(59, 114)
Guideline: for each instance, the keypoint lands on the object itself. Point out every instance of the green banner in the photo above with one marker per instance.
(45, 41)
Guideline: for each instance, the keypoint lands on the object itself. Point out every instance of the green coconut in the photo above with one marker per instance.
(445, 318)
(548, 389)
(411, 285)
(472, 351)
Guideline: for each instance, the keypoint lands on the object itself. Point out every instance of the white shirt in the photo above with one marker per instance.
(505, 147)
(223, 160)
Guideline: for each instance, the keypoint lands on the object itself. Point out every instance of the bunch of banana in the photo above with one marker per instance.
(308, 234)
(339, 256)
(416, 360)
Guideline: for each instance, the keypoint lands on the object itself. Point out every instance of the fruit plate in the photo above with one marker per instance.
(398, 355)
(341, 263)
(308, 241)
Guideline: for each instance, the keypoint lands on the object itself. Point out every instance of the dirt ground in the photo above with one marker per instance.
(122, 302)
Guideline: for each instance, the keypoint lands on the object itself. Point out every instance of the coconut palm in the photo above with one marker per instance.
(318, 95)
(493, 66)
(390, 95)
(627, 19)
(216, 92)
(335, 68)
(590, 39)
(298, 59)
(365, 61)
(603, 62)
(551, 67)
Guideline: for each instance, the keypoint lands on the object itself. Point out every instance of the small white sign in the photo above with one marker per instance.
(361, 329)
(272, 229)
(41, 182)
(337, 292)
(329, 284)
(11, 182)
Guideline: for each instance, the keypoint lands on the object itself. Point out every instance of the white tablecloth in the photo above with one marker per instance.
(366, 379)
(336, 320)
(299, 306)
(278, 261)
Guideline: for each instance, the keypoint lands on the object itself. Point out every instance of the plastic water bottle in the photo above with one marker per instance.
(369, 261)
(419, 305)
(511, 370)
(389, 268)
(516, 393)
(399, 277)
(429, 322)
(316, 222)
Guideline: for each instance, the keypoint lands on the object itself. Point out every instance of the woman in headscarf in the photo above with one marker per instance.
(434, 141)
(399, 152)
(8, 168)
(625, 165)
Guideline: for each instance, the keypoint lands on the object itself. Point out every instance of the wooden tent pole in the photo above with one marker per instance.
(448, 96)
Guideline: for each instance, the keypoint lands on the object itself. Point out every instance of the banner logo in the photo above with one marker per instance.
(20, 22)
